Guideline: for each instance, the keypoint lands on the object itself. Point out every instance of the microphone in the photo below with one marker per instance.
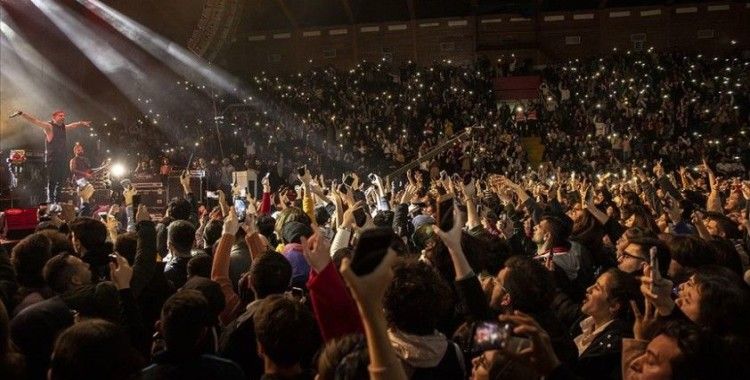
(17, 113)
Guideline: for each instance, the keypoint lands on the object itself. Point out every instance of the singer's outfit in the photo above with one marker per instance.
(56, 161)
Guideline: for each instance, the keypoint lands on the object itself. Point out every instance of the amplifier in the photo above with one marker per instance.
(153, 198)
(174, 187)
(147, 185)
(16, 223)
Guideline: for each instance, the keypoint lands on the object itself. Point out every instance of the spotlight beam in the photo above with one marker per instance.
(176, 57)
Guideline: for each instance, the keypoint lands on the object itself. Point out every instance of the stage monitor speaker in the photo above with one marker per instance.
(154, 198)
(174, 188)
(16, 223)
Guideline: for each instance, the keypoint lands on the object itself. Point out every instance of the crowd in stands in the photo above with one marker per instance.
(624, 254)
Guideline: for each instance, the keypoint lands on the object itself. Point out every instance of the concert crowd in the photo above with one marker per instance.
(622, 254)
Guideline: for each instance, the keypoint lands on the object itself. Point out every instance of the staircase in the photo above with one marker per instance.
(534, 149)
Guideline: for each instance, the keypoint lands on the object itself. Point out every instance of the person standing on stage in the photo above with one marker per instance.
(55, 150)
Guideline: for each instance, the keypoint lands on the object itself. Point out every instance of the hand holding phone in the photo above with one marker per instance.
(360, 216)
(445, 212)
(372, 247)
(654, 263)
(493, 335)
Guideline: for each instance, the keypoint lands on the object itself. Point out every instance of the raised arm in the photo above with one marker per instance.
(144, 265)
(713, 203)
(471, 206)
(47, 127)
(332, 304)
(220, 268)
(78, 124)
(368, 292)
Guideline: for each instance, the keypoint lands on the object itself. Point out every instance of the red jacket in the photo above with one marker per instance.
(332, 304)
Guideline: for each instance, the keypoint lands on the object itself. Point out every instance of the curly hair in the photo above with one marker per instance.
(416, 299)
(724, 302)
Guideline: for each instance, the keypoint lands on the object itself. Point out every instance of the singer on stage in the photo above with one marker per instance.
(55, 150)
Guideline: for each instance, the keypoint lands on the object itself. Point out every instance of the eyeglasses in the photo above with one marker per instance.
(495, 282)
(634, 257)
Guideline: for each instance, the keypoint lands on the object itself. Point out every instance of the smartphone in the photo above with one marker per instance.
(82, 182)
(493, 335)
(268, 174)
(445, 213)
(240, 208)
(443, 175)
(349, 181)
(360, 216)
(456, 177)
(371, 248)
(211, 195)
(103, 216)
(301, 171)
(467, 179)
(112, 257)
(372, 177)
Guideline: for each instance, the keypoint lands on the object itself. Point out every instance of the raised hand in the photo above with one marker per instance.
(540, 355)
(86, 193)
(469, 190)
(408, 194)
(306, 178)
(452, 238)
(657, 291)
(231, 223)
(112, 223)
(316, 251)
(142, 215)
(643, 321)
(368, 290)
(266, 184)
(120, 272)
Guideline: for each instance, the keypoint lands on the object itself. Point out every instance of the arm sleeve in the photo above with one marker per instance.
(220, 274)
(144, 266)
(400, 220)
(255, 245)
(161, 240)
(132, 321)
(265, 204)
(334, 307)
(470, 293)
(668, 187)
(341, 240)
(131, 218)
(308, 206)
